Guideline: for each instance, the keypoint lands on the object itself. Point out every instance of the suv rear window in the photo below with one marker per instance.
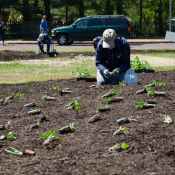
(95, 22)
(115, 21)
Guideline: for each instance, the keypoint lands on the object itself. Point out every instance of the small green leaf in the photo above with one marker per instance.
(124, 146)
(43, 137)
(116, 144)
(56, 137)
(52, 131)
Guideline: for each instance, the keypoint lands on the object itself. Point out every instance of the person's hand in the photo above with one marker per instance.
(116, 72)
(40, 31)
(106, 73)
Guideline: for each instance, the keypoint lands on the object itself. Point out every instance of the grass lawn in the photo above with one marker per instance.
(23, 73)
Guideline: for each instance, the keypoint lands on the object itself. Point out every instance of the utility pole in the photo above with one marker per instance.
(127, 7)
(170, 15)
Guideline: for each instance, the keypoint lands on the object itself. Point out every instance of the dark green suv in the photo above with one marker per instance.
(86, 29)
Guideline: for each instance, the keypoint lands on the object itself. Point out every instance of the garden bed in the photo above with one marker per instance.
(86, 151)
(7, 55)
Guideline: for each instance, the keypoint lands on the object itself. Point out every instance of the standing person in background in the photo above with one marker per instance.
(2, 32)
(44, 27)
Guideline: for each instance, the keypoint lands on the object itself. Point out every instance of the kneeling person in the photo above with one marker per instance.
(44, 38)
(112, 55)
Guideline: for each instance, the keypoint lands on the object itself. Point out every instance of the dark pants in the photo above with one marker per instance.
(45, 42)
(3, 38)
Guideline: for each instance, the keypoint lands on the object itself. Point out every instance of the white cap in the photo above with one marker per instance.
(41, 37)
(109, 36)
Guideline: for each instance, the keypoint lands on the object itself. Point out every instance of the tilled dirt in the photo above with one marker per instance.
(86, 151)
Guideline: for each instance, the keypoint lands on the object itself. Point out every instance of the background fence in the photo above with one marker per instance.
(25, 28)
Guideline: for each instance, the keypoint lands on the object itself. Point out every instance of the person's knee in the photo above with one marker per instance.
(39, 42)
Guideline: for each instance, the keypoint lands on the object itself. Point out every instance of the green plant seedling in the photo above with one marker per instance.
(123, 129)
(150, 91)
(108, 100)
(83, 74)
(17, 96)
(8, 125)
(122, 83)
(98, 107)
(31, 90)
(14, 152)
(72, 127)
(124, 145)
(100, 117)
(44, 98)
(139, 105)
(130, 118)
(38, 124)
(165, 116)
(58, 88)
(47, 134)
(73, 88)
(136, 64)
(116, 144)
(39, 110)
(10, 136)
(5, 101)
(113, 91)
(77, 105)
(159, 84)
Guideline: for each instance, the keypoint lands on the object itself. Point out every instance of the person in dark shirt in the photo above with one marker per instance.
(96, 40)
(44, 39)
(112, 55)
(2, 32)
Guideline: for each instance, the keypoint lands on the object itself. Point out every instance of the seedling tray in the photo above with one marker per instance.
(145, 70)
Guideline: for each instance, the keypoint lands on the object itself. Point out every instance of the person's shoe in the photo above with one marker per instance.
(42, 52)
(3, 44)
(47, 53)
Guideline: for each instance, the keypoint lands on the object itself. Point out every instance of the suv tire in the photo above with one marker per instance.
(62, 39)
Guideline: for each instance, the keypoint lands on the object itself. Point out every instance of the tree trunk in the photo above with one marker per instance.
(81, 9)
(160, 31)
(66, 16)
(119, 7)
(140, 15)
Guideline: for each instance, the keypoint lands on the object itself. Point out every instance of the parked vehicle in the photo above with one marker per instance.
(85, 29)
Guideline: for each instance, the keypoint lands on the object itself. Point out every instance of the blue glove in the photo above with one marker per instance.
(106, 73)
(117, 71)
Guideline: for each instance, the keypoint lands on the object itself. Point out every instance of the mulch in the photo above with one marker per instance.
(86, 151)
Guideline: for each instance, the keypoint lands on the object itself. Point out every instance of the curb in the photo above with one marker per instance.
(131, 42)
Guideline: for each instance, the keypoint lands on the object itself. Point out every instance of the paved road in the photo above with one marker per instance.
(87, 46)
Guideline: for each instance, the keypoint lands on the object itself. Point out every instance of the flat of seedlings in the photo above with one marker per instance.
(86, 151)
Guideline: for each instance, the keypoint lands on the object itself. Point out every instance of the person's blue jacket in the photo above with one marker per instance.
(119, 59)
(2, 30)
(44, 25)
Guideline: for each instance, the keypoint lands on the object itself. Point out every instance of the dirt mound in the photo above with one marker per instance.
(86, 151)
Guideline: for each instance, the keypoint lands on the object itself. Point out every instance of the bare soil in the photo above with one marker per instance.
(86, 151)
